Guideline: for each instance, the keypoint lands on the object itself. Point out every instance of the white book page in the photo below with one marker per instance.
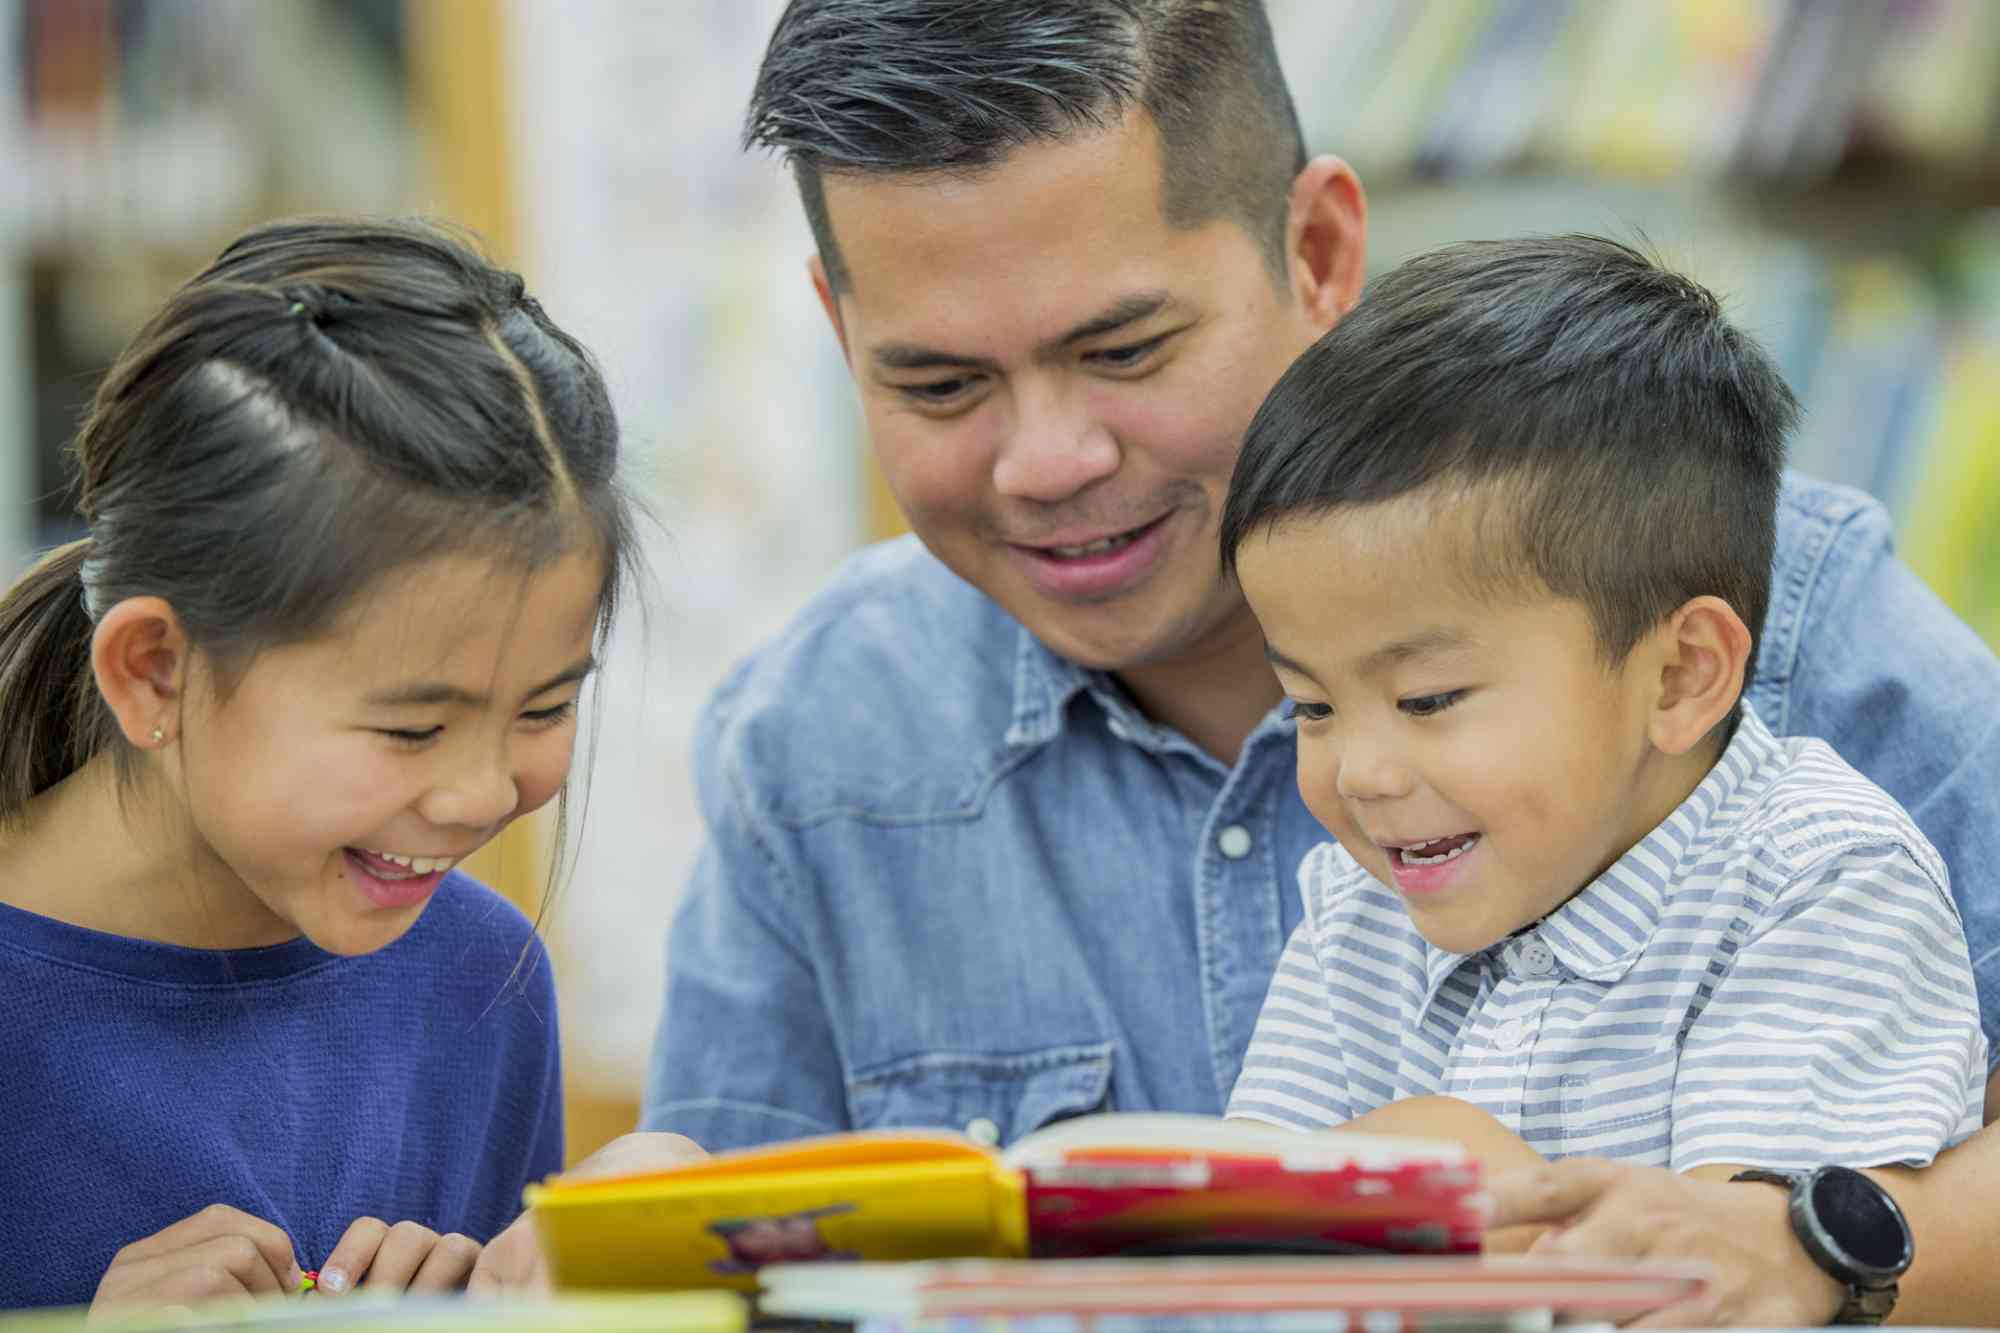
(1298, 1149)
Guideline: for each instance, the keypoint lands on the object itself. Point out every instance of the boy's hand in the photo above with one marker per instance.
(405, 1257)
(513, 1260)
(1609, 1209)
(218, 1253)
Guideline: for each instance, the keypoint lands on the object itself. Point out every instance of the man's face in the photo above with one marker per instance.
(1057, 383)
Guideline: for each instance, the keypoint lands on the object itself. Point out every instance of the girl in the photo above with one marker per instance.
(354, 539)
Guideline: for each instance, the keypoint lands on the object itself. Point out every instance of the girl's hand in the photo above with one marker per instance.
(218, 1253)
(514, 1261)
(404, 1257)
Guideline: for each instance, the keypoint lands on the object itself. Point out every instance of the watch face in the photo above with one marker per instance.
(1858, 1216)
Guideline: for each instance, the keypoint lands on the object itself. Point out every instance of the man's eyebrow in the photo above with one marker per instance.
(1125, 310)
(430, 693)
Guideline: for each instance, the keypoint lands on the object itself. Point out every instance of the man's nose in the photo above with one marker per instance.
(1053, 447)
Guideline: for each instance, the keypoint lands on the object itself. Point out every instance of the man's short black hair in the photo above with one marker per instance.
(903, 87)
(1633, 435)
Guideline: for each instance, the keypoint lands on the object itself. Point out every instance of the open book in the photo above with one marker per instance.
(1108, 1184)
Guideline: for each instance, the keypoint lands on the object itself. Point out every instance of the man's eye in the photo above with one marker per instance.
(1300, 710)
(1429, 705)
(1128, 357)
(938, 393)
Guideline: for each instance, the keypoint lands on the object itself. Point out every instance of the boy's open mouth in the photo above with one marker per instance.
(1435, 851)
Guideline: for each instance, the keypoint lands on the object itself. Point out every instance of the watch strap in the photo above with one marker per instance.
(1858, 1304)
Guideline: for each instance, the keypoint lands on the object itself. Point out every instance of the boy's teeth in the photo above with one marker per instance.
(1410, 858)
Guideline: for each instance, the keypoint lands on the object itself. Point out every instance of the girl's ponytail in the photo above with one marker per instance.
(50, 718)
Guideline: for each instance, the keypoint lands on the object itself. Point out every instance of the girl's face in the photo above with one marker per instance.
(340, 779)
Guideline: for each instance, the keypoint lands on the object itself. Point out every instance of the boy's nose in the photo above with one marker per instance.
(1372, 773)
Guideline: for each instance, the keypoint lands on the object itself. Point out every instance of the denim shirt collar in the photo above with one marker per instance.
(1045, 684)
(1598, 934)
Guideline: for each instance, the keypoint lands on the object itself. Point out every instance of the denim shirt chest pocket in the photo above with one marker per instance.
(1005, 1096)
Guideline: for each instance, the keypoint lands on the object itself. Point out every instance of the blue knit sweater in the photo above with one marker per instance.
(141, 1082)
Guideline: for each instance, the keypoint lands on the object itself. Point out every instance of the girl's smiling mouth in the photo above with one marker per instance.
(394, 881)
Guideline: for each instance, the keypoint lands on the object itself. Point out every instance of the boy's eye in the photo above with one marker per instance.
(1302, 711)
(1428, 705)
(404, 736)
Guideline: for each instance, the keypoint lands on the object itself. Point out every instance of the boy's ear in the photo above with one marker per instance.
(1705, 650)
(139, 655)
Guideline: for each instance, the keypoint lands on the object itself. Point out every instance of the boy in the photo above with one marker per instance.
(1508, 531)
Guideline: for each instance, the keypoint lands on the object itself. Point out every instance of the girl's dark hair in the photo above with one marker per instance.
(328, 401)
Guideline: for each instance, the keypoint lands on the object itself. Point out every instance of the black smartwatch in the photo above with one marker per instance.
(1853, 1230)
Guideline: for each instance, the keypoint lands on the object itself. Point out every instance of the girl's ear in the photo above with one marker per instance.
(139, 655)
(1705, 652)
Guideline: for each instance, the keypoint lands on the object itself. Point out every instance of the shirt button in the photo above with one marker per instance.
(1233, 842)
(981, 1130)
(1510, 1034)
(1537, 959)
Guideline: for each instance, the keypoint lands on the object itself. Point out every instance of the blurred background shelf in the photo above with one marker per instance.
(1831, 166)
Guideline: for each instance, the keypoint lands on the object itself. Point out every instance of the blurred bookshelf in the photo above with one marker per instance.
(1832, 167)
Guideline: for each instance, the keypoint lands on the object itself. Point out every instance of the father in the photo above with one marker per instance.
(1003, 827)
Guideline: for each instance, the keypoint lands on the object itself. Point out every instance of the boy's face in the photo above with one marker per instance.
(1469, 747)
(1057, 381)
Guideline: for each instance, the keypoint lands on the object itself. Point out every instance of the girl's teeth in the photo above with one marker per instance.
(416, 865)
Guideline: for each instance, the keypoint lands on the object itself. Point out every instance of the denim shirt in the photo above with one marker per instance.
(955, 880)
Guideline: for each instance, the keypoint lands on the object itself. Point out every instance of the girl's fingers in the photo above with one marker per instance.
(511, 1261)
(448, 1265)
(219, 1252)
(352, 1256)
(218, 1220)
(227, 1265)
(400, 1255)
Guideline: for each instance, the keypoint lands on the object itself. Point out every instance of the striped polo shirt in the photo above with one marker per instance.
(1775, 976)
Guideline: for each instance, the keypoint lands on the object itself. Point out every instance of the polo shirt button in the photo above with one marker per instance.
(1233, 842)
(981, 1130)
(1510, 1034)
(1537, 959)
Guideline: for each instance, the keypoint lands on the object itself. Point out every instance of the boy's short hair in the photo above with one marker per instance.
(909, 87)
(1634, 437)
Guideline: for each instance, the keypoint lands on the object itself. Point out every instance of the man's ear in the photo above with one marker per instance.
(139, 654)
(1326, 240)
(829, 301)
(1704, 652)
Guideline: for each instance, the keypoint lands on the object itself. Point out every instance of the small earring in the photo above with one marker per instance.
(159, 736)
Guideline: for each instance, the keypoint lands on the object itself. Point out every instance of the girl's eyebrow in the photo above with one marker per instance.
(433, 692)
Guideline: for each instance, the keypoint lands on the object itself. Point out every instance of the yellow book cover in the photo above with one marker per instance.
(1112, 1183)
(878, 1196)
